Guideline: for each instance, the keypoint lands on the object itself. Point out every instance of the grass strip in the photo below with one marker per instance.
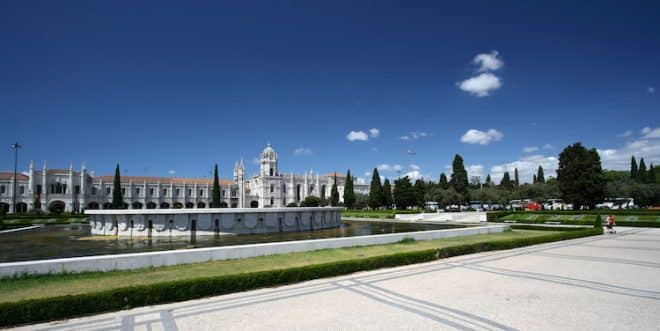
(58, 307)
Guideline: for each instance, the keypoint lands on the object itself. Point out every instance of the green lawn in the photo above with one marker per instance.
(51, 286)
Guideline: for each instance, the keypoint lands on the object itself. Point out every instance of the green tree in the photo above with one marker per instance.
(311, 201)
(117, 197)
(404, 194)
(361, 201)
(540, 177)
(215, 200)
(641, 175)
(375, 191)
(516, 178)
(534, 181)
(444, 184)
(580, 176)
(489, 182)
(387, 194)
(459, 177)
(349, 193)
(634, 171)
(651, 175)
(334, 194)
(506, 181)
(420, 190)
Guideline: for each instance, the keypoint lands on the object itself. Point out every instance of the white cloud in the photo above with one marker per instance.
(302, 151)
(414, 167)
(171, 172)
(481, 85)
(530, 149)
(474, 136)
(475, 170)
(651, 89)
(648, 133)
(367, 173)
(374, 133)
(527, 168)
(625, 134)
(357, 136)
(413, 175)
(415, 135)
(619, 158)
(488, 61)
(548, 146)
(388, 167)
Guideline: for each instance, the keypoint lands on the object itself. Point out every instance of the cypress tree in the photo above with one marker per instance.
(634, 171)
(641, 175)
(387, 194)
(419, 193)
(506, 181)
(459, 178)
(215, 198)
(651, 175)
(515, 176)
(349, 193)
(334, 194)
(534, 179)
(117, 198)
(444, 184)
(375, 191)
(488, 181)
(540, 177)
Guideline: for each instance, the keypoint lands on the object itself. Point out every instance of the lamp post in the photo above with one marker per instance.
(15, 146)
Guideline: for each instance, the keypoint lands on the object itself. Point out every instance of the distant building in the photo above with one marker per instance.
(73, 191)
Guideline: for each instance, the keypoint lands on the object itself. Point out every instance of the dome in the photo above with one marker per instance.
(269, 153)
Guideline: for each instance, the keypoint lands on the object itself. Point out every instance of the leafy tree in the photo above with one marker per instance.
(404, 194)
(641, 175)
(634, 171)
(540, 177)
(361, 201)
(580, 176)
(420, 190)
(444, 184)
(349, 193)
(117, 198)
(311, 201)
(459, 177)
(387, 194)
(516, 178)
(334, 194)
(215, 200)
(375, 191)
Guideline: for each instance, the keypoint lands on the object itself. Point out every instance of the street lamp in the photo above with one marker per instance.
(15, 146)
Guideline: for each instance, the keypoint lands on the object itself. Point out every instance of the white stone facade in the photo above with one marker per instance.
(76, 190)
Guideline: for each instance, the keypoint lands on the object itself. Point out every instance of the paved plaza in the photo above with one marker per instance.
(608, 282)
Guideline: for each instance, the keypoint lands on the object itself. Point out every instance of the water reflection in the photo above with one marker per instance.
(57, 241)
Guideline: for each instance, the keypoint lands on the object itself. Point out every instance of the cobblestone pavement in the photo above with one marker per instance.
(608, 282)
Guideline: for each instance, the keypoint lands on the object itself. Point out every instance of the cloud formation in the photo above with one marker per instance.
(482, 85)
(530, 149)
(625, 134)
(302, 151)
(651, 89)
(648, 133)
(388, 167)
(414, 135)
(488, 61)
(357, 136)
(619, 158)
(527, 168)
(486, 82)
(374, 133)
(474, 136)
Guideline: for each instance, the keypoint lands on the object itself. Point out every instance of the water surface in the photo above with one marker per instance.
(69, 240)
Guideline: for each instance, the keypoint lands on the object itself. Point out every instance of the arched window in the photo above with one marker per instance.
(271, 171)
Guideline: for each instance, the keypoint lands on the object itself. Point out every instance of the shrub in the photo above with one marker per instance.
(311, 201)
(292, 204)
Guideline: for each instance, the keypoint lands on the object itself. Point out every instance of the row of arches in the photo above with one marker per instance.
(153, 205)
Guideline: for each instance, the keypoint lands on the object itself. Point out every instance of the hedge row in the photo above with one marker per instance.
(39, 216)
(583, 212)
(39, 310)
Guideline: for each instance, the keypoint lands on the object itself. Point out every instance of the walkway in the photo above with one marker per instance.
(609, 282)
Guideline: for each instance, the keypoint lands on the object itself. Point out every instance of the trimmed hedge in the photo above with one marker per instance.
(45, 309)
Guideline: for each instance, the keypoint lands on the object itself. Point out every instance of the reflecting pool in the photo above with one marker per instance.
(58, 241)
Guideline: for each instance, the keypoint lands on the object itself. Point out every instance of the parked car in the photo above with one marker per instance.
(554, 204)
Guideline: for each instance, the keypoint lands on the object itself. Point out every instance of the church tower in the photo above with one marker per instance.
(268, 162)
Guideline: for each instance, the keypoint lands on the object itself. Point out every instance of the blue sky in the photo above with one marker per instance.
(176, 86)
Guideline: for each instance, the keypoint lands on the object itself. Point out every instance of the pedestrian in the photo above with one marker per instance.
(610, 224)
